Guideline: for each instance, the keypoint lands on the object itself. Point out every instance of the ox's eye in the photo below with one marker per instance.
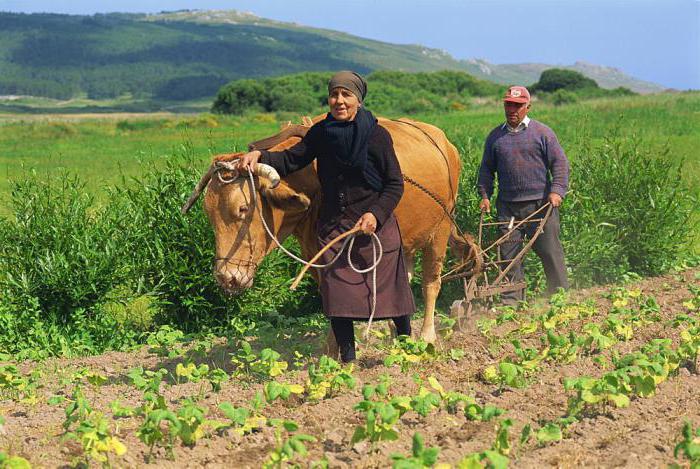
(241, 212)
(227, 176)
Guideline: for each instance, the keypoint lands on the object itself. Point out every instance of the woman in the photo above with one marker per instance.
(361, 184)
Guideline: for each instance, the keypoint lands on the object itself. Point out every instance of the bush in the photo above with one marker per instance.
(555, 79)
(629, 210)
(390, 92)
(76, 279)
(561, 96)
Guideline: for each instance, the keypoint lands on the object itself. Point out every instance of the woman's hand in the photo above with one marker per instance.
(367, 223)
(249, 160)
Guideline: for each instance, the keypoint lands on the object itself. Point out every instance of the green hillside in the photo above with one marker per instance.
(188, 55)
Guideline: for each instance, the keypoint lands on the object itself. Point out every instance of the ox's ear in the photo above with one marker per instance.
(287, 199)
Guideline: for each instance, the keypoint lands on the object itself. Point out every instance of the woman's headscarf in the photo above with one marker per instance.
(349, 140)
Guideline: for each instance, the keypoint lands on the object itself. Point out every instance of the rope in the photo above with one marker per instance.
(349, 243)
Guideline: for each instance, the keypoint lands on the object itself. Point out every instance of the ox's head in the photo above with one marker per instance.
(235, 212)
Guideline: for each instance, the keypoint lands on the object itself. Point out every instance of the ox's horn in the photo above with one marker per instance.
(268, 172)
(198, 189)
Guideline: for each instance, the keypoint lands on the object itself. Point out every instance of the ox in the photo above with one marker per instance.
(431, 167)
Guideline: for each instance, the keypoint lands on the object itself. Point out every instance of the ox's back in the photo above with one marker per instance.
(429, 159)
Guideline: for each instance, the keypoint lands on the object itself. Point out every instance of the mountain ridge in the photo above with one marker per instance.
(189, 54)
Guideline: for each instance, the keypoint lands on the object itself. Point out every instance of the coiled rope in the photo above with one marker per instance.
(377, 252)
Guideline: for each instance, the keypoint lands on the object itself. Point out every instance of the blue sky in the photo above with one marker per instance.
(655, 40)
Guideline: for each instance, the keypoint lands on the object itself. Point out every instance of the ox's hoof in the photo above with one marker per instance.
(429, 336)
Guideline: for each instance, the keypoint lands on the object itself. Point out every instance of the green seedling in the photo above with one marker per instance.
(191, 372)
(216, 378)
(618, 327)
(421, 457)
(406, 352)
(596, 340)
(452, 400)
(328, 378)
(18, 387)
(192, 423)
(590, 392)
(147, 381)
(286, 449)
(456, 354)
(242, 421)
(90, 429)
(381, 417)
(508, 373)
(488, 459)
(159, 428)
(690, 445)
(425, 402)
(13, 462)
(502, 442)
(163, 339)
(474, 411)
(79, 408)
(265, 366)
(549, 433)
(96, 439)
(275, 390)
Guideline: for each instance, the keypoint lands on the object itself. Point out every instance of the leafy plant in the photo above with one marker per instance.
(690, 445)
(147, 380)
(13, 462)
(163, 339)
(549, 433)
(16, 386)
(327, 378)
(96, 439)
(243, 421)
(380, 417)
(159, 428)
(421, 457)
(275, 390)
(265, 366)
(286, 449)
(192, 372)
(406, 352)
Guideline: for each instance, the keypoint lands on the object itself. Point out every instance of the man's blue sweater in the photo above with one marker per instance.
(530, 164)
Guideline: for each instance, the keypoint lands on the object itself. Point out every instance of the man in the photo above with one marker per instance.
(532, 170)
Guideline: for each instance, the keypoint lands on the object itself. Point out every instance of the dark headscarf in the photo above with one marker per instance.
(350, 81)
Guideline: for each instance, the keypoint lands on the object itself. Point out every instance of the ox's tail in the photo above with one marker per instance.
(465, 249)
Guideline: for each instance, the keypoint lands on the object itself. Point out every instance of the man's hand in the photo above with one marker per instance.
(485, 205)
(367, 223)
(249, 160)
(554, 199)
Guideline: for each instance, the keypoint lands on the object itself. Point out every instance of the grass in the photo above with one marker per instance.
(103, 150)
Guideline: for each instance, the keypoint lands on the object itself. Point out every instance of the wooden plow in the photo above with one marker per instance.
(492, 279)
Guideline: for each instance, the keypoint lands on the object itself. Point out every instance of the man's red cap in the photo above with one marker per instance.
(517, 94)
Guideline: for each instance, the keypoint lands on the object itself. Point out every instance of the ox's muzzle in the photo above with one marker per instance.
(234, 276)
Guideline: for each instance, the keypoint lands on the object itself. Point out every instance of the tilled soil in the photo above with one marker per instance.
(641, 435)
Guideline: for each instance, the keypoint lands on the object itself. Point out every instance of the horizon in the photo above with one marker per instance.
(649, 40)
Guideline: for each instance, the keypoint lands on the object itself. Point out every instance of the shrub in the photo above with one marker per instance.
(562, 96)
(78, 279)
(555, 79)
(628, 209)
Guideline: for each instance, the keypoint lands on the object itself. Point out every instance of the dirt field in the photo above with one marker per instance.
(643, 434)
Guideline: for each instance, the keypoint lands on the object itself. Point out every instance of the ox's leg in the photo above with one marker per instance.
(409, 262)
(332, 349)
(433, 257)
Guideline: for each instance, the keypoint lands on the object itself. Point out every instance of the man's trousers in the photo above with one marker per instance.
(547, 246)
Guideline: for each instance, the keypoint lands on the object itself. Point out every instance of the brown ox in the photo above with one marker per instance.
(431, 167)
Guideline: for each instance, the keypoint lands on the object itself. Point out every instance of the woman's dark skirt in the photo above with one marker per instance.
(348, 294)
